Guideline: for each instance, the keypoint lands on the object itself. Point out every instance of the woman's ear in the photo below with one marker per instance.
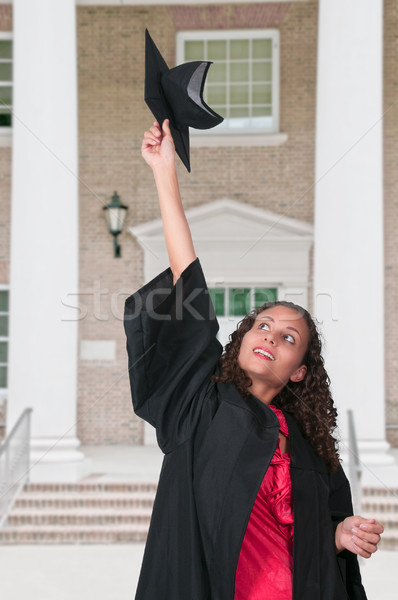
(299, 374)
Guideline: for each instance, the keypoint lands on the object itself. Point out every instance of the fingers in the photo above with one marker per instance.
(366, 536)
(166, 128)
(153, 136)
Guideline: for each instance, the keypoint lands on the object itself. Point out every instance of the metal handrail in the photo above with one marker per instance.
(354, 465)
(14, 464)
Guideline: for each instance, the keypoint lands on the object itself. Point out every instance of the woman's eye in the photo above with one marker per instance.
(289, 338)
(264, 326)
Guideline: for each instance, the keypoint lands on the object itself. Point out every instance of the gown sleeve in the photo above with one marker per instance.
(172, 352)
(340, 504)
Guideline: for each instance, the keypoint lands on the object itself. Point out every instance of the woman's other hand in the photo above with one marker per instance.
(157, 146)
(358, 535)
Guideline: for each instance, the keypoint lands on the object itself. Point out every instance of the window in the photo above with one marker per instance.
(243, 83)
(5, 79)
(3, 338)
(237, 302)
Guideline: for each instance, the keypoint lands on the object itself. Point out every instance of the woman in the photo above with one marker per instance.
(252, 502)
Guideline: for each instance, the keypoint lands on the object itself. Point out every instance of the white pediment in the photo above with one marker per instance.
(231, 220)
(238, 244)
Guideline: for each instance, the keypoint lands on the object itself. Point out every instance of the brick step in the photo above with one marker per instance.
(79, 516)
(389, 540)
(386, 507)
(389, 520)
(59, 534)
(41, 500)
(379, 492)
(90, 486)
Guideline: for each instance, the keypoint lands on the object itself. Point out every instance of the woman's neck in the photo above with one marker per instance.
(263, 392)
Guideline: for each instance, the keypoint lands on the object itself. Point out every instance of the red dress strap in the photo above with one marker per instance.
(265, 563)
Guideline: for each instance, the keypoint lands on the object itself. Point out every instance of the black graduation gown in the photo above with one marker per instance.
(217, 449)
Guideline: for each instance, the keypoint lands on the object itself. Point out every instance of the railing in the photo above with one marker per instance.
(14, 464)
(354, 465)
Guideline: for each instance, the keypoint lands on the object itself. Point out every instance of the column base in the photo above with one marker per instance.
(57, 461)
(379, 467)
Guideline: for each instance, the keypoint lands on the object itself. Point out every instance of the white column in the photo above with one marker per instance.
(349, 215)
(44, 235)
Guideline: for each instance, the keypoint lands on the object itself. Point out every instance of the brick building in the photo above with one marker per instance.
(74, 137)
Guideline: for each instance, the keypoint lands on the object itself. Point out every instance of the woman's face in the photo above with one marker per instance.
(272, 351)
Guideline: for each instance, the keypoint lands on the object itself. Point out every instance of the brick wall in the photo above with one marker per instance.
(391, 213)
(113, 116)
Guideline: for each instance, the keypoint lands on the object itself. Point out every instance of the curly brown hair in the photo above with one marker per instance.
(309, 400)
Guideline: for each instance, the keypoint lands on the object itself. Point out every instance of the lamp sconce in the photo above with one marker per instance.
(115, 215)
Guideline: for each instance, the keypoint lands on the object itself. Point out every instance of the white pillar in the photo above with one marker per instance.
(44, 235)
(348, 268)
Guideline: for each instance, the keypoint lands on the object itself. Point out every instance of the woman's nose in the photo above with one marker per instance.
(269, 337)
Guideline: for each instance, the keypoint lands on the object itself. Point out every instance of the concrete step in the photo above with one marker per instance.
(81, 534)
(87, 512)
(79, 516)
(381, 504)
(92, 499)
(89, 485)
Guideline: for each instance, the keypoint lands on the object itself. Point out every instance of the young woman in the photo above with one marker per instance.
(252, 502)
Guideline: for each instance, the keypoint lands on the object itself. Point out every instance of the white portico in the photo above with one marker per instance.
(348, 276)
(243, 251)
(44, 251)
(234, 241)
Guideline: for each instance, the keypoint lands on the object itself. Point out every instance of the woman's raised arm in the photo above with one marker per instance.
(158, 151)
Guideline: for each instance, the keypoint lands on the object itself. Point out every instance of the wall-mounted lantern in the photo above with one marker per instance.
(115, 215)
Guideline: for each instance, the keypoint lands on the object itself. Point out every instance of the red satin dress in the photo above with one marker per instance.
(265, 563)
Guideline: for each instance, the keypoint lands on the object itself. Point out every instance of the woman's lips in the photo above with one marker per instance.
(263, 353)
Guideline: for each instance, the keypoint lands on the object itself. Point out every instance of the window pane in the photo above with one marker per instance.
(4, 301)
(221, 110)
(239, 301)
(239, 111)
(261, 93)
(262, 111)
(3, 377)
(239, 49)
(239, 94)
(217, 296)
(5, 119)
(5, 48)
(3, 325)
(262, 71)
(239, 72)
(5, 71)
(194, 50)
(216, 94)
(217, 73)
(262, 295)
(5, 96)
(216, 50)
(262, 48)
(3, 352)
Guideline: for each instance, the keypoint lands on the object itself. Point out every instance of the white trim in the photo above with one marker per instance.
(294, 227)
(215, 140)
(230, 125)
(159, 2)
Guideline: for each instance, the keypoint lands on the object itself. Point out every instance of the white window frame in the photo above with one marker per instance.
(236, 34)
(5, 288)
(5, 130)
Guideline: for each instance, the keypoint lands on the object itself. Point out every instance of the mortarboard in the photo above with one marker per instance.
(177, 94)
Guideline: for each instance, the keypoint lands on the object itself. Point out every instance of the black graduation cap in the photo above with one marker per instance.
(177, 94)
